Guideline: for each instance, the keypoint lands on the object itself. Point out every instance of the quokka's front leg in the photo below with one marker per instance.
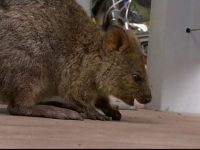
(104, 105)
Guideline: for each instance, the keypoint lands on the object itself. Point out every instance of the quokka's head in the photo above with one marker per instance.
(123, 73)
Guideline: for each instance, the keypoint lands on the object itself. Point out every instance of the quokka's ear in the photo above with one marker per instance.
(116, 39)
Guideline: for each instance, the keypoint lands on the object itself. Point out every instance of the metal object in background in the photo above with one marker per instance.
(188, 30)
(125, 14)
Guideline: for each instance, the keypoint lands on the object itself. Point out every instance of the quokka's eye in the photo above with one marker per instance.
(137, 77)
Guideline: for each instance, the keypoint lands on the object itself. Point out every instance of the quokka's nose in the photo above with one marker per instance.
(148, 98)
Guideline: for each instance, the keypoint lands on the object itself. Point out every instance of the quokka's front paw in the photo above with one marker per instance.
(98, 117)
(115, 114)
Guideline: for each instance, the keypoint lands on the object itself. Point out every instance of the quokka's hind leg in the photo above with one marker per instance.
(67, 105)
(45, 111)
(91, 113)
(23, 105)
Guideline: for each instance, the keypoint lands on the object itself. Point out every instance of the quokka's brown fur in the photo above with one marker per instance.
(52, 48)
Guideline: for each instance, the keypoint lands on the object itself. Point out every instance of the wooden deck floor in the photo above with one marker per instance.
(137, 129)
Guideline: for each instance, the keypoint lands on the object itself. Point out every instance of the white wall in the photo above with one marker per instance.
(174, 56)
